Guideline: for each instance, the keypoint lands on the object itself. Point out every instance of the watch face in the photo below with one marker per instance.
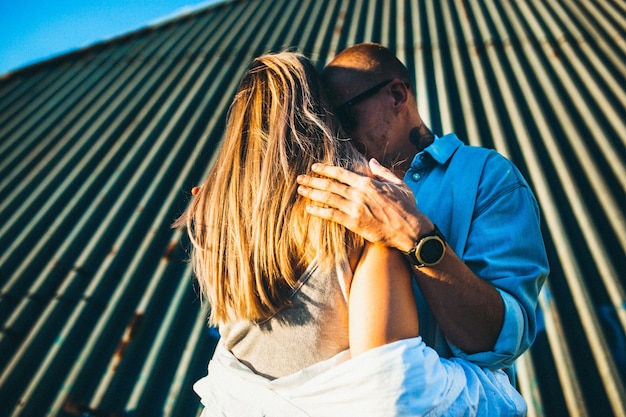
(431, 250)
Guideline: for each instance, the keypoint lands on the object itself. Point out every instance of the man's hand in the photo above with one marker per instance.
(381, 208)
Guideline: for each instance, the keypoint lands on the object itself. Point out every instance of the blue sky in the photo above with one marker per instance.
(35, 30)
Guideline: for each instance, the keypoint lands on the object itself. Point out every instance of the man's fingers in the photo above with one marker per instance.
(325, 198)
(347, 221)
(383, 173)
(323, 184)
(328, 213)
(337, 173)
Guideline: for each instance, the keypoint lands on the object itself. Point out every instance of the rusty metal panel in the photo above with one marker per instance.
(100, 147)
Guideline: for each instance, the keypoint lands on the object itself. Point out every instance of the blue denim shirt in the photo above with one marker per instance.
(490, 218)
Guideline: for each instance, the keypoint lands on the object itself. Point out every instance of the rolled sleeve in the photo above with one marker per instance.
(509, 342)
(505, 248)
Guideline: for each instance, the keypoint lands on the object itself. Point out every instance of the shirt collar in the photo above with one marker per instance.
(441, 150)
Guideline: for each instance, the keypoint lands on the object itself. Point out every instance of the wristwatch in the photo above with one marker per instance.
(428, 250)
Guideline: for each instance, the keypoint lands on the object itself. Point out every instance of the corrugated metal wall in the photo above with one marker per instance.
(99, 149)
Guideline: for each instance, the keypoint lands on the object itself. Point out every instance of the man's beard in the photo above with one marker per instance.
(421, 137)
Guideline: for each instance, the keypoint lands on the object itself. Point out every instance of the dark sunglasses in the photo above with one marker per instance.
(365, 94)
(348, 122)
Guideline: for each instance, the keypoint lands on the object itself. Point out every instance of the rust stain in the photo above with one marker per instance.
(76, 407)
(129, 334)
(168, 254)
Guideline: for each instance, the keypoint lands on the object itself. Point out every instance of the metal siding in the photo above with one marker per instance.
(99, 149)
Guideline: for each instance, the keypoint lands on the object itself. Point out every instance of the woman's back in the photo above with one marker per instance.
(314, 327)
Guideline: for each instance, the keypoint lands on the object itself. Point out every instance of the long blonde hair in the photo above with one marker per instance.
(251, 236)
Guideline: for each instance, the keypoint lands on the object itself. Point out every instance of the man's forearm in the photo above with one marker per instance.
(469, 310)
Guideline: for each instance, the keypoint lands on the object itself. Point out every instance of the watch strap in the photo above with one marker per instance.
(415, 257)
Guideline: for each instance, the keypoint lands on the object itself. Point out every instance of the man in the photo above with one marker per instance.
(473, 238)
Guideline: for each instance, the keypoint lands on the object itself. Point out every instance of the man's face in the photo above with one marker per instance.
(365, 105)
(367, 117)
(368, 124)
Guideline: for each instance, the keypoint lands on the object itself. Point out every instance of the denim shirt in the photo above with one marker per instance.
(490, 218)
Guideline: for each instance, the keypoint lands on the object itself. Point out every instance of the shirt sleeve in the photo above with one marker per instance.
(505, 247)
(509, 342)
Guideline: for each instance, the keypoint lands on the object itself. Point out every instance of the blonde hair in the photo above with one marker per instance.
(251, 236)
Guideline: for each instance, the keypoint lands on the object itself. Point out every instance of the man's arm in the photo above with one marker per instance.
(383, 210)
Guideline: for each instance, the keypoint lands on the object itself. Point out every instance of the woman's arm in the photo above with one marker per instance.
(381, 305)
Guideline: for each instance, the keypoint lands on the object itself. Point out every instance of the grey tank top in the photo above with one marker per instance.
(311, 329)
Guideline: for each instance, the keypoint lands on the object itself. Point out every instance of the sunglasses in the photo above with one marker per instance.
(348, 122)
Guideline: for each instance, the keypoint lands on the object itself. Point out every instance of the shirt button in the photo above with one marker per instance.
(416, 177)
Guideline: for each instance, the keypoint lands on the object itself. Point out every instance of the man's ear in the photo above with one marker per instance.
(400, 94)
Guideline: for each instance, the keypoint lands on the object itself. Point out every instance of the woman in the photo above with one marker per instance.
(313, 320)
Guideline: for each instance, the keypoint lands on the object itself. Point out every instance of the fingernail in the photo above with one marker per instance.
(374, 161)
(316, 166)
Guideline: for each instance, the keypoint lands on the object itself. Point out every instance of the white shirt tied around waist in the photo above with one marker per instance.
(405, 378)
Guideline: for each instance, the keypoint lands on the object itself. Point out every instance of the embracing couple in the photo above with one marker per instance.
(355, 263)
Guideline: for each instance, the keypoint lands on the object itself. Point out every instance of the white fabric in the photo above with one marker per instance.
(404, 378)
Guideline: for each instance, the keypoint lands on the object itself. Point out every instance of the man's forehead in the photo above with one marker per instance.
(344, 82)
